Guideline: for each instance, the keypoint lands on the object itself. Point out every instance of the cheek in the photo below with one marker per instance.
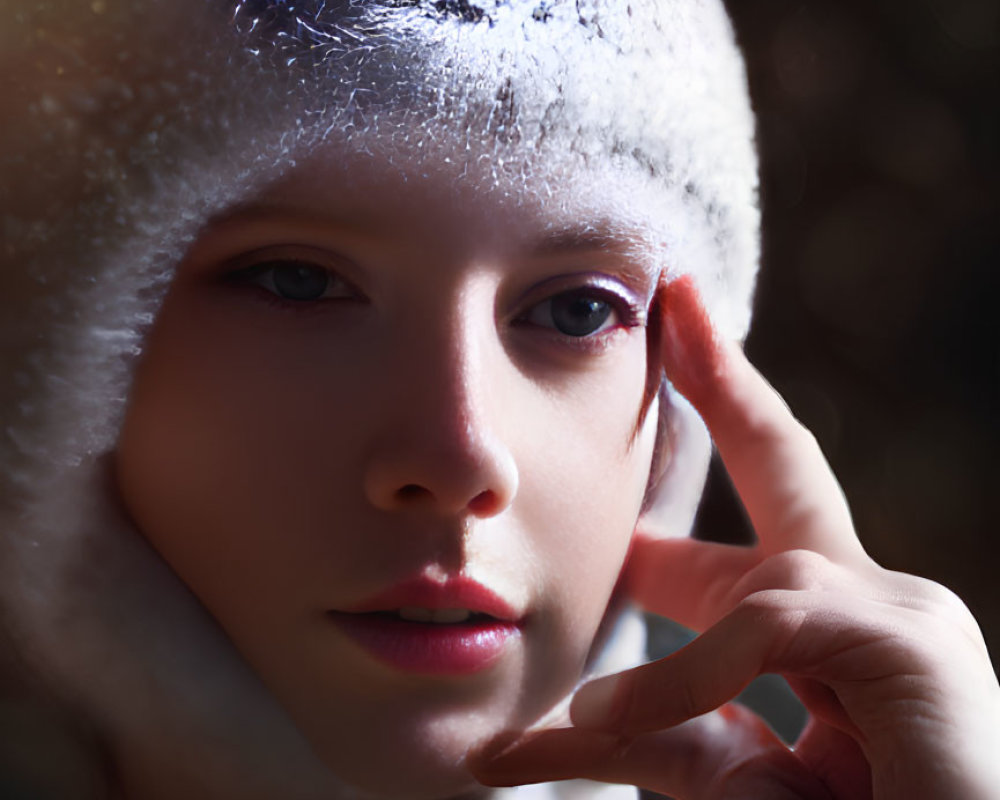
(583, 482)
(221, 441)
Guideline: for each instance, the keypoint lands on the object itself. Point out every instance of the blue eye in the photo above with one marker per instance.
(297, 281)
(294, 280)
(577, 313)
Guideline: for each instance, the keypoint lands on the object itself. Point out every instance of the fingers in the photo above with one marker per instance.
(689, 581)
(836, 759)
(697, 583)
(778, 631)
(787, 487)
(728, 754)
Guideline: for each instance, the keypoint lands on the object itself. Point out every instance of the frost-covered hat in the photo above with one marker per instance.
(128, 124)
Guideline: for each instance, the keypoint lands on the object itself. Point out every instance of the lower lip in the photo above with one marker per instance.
(428, 648)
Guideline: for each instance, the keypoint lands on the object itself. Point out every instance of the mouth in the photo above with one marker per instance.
(458, 627)
(436, 616)
(425, 600)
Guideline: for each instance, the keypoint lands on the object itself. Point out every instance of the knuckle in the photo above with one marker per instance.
(942, 606)
(939, 597)
(927, 596)
(650, 708)
(775, 608)
(794, 570)
(777, 619)
(690, 699)
(762, 432)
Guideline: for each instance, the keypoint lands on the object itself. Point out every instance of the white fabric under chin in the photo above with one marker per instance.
(570, 790)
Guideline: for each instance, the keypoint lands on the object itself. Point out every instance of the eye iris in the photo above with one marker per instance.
(296, 281)
(579, 314)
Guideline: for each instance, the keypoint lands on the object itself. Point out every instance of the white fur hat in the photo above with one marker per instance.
(132, 123)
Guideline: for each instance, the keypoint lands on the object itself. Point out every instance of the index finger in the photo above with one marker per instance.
(776, 465)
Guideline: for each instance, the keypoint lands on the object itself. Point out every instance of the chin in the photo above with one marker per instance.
(419, 756)
(419, 774)
(390, 784)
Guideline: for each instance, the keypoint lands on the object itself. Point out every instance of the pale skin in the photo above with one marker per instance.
(893, 669)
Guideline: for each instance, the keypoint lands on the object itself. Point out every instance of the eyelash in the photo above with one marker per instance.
(264, 275)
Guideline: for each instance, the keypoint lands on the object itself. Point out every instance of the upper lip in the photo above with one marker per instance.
(459, 592)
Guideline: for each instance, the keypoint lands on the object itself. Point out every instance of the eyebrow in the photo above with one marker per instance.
(599, 238)
(569, 240)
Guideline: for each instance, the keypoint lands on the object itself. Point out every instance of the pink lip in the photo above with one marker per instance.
(425, 593)
(426, 647)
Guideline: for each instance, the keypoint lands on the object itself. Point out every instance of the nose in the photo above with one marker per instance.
(441, 447)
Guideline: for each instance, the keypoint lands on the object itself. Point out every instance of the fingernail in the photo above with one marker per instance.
(595, 705)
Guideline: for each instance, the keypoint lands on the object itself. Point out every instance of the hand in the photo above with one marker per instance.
(893, 669)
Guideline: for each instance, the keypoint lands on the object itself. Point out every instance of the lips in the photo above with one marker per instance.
(458, 627)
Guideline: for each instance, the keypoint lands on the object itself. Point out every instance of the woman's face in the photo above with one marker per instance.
(386, 430)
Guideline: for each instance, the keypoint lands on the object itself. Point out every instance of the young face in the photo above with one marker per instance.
(385, 429)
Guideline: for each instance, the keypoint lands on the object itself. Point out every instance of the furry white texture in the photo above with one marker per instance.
(130, 124)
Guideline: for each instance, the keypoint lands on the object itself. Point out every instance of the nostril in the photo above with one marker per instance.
(412, 493)
(484, 503)
(415, 496)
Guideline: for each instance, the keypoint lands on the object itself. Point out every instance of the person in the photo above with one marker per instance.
(337, 440)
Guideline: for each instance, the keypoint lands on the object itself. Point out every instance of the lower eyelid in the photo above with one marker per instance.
(587, 346)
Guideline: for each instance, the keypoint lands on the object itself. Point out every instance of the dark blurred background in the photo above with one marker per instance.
(877, 305)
